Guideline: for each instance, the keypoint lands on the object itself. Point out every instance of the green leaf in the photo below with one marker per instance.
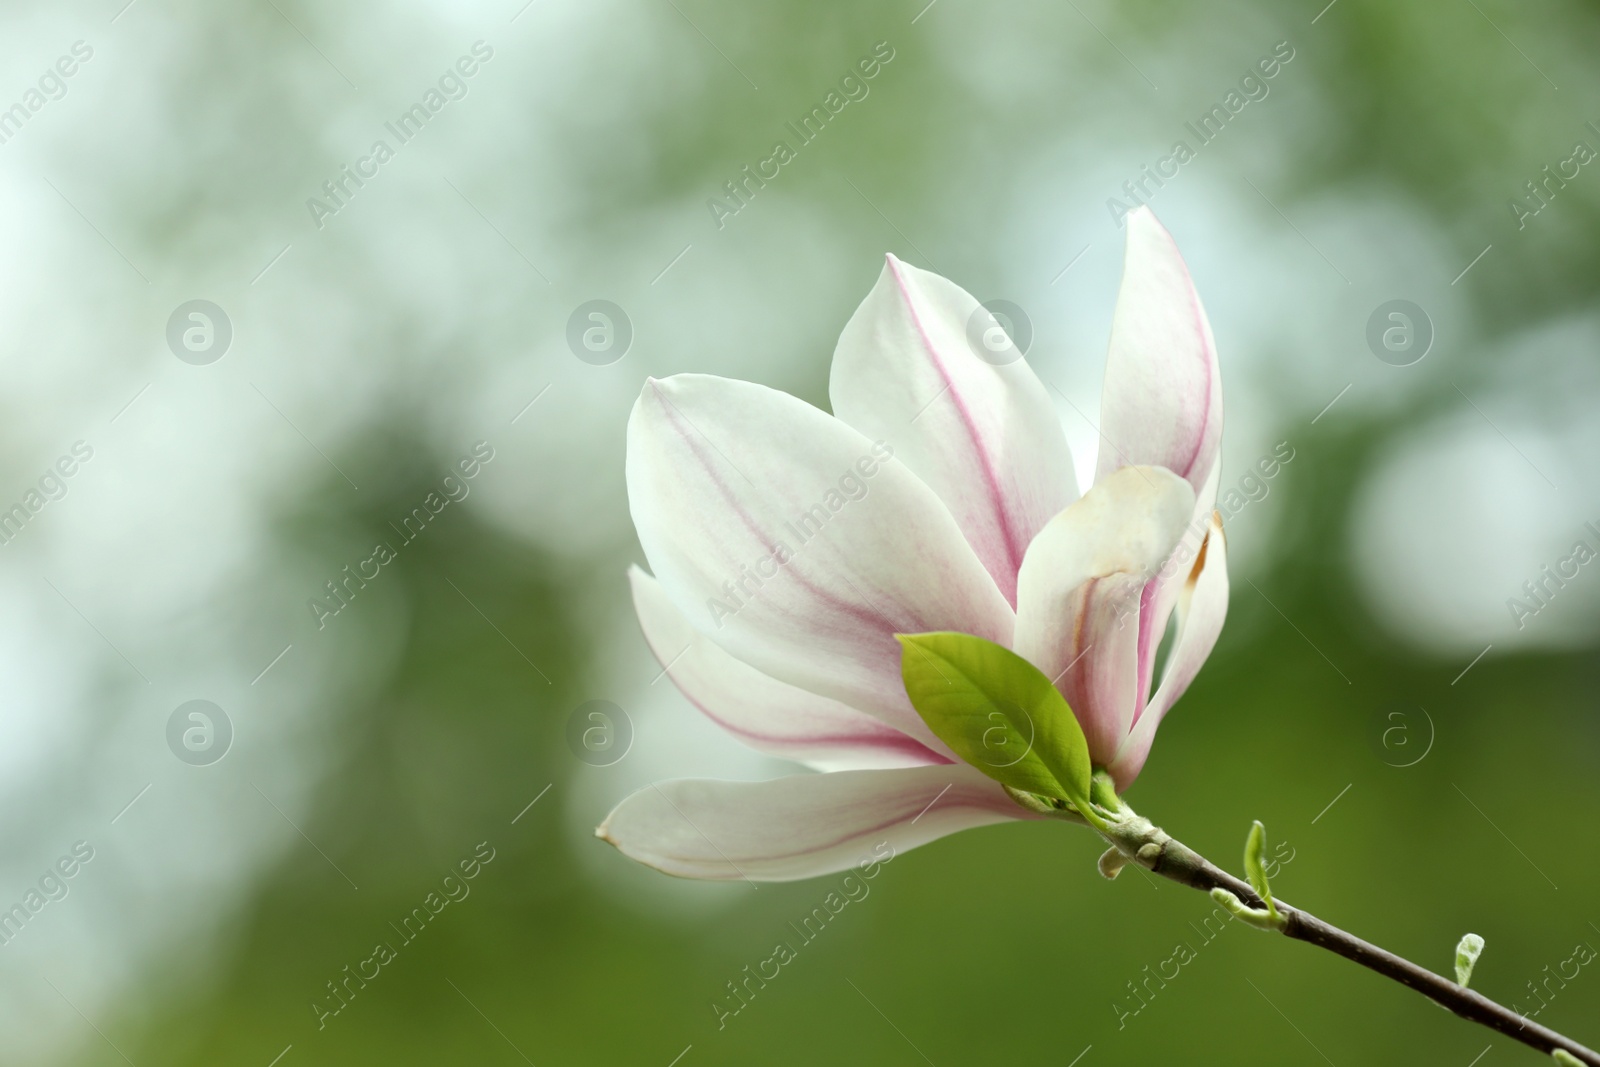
(998, 712)
(1254, 870)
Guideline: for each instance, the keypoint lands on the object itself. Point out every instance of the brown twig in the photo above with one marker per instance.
(1149, 846)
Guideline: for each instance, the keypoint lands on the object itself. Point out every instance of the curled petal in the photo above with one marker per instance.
(980, 432)
(1162, 400)
(1202, 606)
(801, 826)
(1078, 596)
(797, 544)
(766, 714)
(1160, 596)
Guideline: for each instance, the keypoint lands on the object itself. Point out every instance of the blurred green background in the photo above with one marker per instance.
(1430, 762)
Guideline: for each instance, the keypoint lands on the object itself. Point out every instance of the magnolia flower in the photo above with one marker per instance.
(790, 547)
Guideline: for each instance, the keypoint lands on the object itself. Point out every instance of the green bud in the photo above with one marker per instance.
(1103, 792)
(1565, 1058)
(1467, 953)
(1254, 870)
(1032, 801)
(1260, 919)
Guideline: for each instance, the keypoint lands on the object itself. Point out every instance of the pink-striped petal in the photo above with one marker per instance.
(1162, 400)
(764, 713)
(801, 826)
(1078, 602)
(985, 437)
(1202, 606)
(791, 541)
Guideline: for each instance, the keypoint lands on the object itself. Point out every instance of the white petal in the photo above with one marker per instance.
(1162, 400)
(985, 437)
(766, 714)
(801, 826)
(1202, 606)
(1078, 596)
(784, 536)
